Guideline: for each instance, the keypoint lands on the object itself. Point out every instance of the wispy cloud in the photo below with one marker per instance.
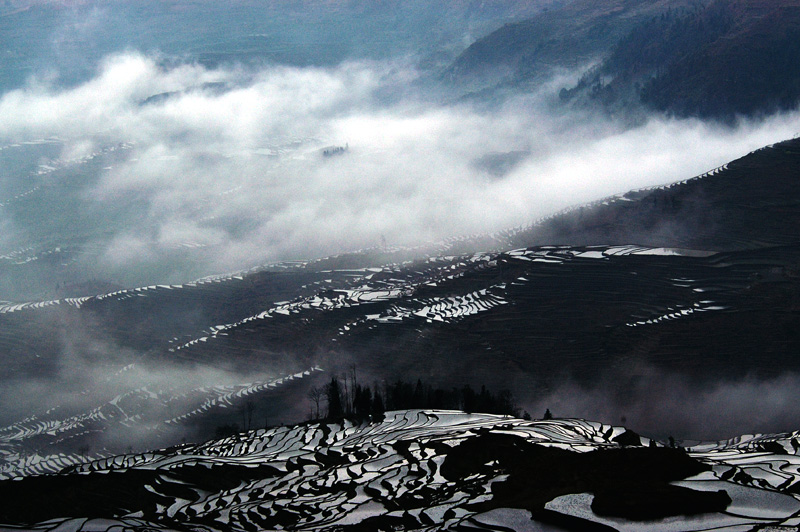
(664, 404)
(231, 159)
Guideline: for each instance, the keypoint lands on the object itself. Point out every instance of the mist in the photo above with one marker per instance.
(163, 172)
(673, 405)
(89, 390)
(229, 162)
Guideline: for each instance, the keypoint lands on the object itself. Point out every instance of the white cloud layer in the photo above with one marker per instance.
(232, 160)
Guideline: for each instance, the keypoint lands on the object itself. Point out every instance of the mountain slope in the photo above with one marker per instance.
(566, 36)
(712, 59)
(749, 203)
(631, 298)
(719, 60)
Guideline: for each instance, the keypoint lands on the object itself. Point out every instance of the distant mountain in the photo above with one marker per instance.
(75, 36)
(720, 60)
(423, 470)
(711, 59)
(567, 35)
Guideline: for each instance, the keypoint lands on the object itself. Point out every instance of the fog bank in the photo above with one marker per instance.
(229, 162)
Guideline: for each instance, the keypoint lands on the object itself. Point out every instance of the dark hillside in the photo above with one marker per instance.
(693, 282)
(563, 36)
(749, 203)
(752, 69)
(720, 60)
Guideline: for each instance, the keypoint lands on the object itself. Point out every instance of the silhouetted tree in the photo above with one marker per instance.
(377, 409)
(418, 399)
(223, 431)
(484, 401)
(315, 394)
(468, 399)
(344, 393)
(548, 414)
(333, 394)
(400, 396)
(247, 410)
(506, 404)
(250, 407)
(84, 451)
(362, 402)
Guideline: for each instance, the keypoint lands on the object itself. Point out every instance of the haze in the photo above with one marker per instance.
(130, 156)
(229, 163)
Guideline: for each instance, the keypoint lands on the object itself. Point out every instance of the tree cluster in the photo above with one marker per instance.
(335, 150)
(347, 398)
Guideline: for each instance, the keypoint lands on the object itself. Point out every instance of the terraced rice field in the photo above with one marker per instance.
(710, 299)
(410, 470)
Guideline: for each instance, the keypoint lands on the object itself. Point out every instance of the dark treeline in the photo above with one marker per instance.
(347, 398)
(335, 150)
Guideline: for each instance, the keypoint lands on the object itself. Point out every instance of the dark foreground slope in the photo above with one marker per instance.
(695, 283)
(417, 470)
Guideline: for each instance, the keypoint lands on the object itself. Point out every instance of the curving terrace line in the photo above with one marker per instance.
(327, 477)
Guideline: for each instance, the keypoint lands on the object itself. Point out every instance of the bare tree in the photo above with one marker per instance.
(247, 410)
(316, 394)
(84, 451)
(350, 392)
(251, 409)
(346, 407)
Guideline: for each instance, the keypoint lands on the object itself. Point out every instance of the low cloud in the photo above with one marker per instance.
(670, 404)
(229, 162)
(78, 367)
(87, 389)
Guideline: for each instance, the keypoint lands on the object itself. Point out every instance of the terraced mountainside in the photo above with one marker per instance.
(698, 280)
(424, 470)
(749, 203)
